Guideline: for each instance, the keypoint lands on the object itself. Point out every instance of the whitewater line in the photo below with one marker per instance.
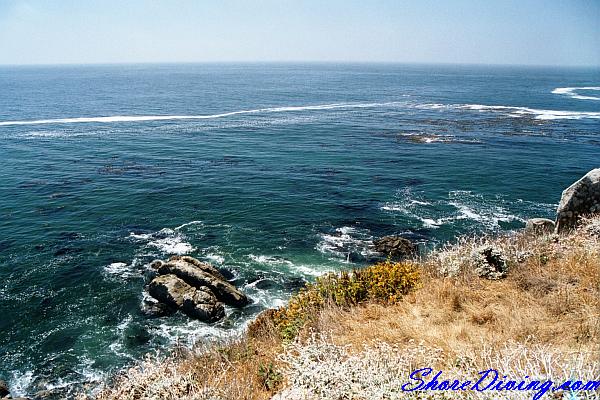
(144, 118)
(572, 92)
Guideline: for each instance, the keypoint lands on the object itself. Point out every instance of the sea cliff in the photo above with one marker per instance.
(524, 303)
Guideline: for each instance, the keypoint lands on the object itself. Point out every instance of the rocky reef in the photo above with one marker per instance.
(196, 288)
(395, 247)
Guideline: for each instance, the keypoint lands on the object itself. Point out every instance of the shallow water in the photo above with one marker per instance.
(274, 172)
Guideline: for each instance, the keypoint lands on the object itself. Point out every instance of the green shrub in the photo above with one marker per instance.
(385, 282)
(269, 376)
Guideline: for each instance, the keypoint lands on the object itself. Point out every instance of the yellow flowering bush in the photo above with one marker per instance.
(386, 282)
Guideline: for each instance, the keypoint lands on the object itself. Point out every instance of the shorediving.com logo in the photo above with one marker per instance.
(494, 383)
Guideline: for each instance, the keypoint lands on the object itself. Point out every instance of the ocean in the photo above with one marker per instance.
(274, 172)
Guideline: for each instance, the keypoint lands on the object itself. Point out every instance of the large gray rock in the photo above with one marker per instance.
(197, 278)
(395, 246)
(539, 226)
(580, 199)
(206, 267)
(169, 290)
(203, 305)
(196, 303)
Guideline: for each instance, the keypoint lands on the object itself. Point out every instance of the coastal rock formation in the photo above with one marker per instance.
(197, 277)
(154, 309)
(3, 389)
(206, 267)
(196, 288)
(489, 262)
(169, 289)
(156, 264)
(203, 305)
(395, 246)
(579, 199)
(198, 303)
(539, 226)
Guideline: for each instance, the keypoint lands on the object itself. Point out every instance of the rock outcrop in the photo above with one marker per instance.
(203, 305)
(206, 267)
(489, 262)
(196, 288)
(579, 199)
(395, 247)
(539, 226)
(199, 303)
(197, 277)
(3, 389)
(169, 289)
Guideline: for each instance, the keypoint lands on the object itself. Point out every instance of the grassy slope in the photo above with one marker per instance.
(543, 320)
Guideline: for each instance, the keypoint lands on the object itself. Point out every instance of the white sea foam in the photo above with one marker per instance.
(532, 112)
(215, 258)
(167, 241)
(309, 270)
(117, 346)
(264, 298)
(572, 92)
(188, 224)
(192, 331)
(436, 138)
(346, 241)
(459, 206)
(146, 118)
(269, 260)
(121, 269)
(539, 114)
(20, 382)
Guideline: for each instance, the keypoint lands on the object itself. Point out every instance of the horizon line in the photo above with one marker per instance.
(258, 62)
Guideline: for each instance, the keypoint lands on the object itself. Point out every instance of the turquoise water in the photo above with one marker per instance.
(276, 173)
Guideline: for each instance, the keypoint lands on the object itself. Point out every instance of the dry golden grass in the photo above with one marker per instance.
(551, 296)
(549, 300)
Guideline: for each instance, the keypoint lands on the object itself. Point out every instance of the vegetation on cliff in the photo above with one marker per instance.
(359, 335)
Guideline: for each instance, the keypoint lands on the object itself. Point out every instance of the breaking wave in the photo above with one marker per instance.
(348, 244)
(167, 241)
(516, 112)
(572, 92)
(533, 112)
(146, 118)
(511, 111)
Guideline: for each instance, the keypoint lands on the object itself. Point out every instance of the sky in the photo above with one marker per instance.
(524, 32)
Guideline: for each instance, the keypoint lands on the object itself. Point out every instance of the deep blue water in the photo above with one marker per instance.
(281, 172)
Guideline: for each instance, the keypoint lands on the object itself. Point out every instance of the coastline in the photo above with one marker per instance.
(91, 216)
(539, 321)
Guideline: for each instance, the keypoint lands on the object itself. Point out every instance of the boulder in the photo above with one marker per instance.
(206, 267)
(203, 305)
(539, 226)
(395, 246)
(156, 309)
(489, 262)
(199, 303)
(580, 199)
(156, 264)
(3, 389)
(169, 290)
(196, 277)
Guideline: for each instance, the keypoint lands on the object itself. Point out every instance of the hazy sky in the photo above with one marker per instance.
(548, 32)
